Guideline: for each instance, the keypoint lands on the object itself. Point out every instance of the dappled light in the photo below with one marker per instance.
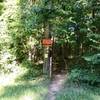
(49, 49)
(23, 90)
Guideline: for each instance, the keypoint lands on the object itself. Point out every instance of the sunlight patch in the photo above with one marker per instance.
(26, 98)
(30, 97)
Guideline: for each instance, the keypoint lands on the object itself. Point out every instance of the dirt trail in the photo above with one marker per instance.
(55, 86)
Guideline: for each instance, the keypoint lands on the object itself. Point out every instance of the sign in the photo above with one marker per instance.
(47, 42)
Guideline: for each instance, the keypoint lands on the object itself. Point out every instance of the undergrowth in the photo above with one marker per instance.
(79, 92)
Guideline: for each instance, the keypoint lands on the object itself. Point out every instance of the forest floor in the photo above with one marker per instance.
(60, 88)
(15, 87)
(42, 88)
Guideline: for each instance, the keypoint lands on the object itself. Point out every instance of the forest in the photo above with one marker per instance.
(49, 49)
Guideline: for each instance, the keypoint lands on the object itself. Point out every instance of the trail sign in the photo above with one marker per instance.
(47, 42)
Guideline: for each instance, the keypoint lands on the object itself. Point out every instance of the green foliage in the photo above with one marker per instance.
(84, 75)
(1, 7)
(94, 59)
(74, 26)
(21, 29)
(32, 71)
(1, 0)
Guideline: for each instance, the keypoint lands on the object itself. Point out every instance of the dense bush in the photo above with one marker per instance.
(86, 76)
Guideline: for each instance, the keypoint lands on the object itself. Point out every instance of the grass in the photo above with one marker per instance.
(37, 90)
(31, 89)
(21, 82)
(24, 91)
(79, 93)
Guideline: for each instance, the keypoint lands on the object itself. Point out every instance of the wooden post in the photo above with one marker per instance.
(46, 49)
(47, 42)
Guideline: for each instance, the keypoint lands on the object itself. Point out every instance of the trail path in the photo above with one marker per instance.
(55, 86)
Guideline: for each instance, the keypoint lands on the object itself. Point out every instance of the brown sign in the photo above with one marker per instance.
(47, 42)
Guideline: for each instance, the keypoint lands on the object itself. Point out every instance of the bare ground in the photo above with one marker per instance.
(56, 85)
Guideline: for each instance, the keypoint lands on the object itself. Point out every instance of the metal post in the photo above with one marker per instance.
(50, 70)
(46, 63)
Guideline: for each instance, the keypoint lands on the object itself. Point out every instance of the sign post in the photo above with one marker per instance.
(47, 68)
